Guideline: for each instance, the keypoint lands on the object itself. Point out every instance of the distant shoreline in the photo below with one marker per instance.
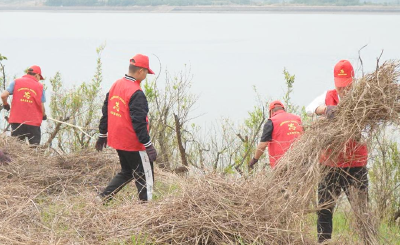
(209, 9)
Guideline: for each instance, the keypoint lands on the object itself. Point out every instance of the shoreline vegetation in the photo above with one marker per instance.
(207, 9)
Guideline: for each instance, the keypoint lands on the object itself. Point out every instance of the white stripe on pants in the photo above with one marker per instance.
(147, 173)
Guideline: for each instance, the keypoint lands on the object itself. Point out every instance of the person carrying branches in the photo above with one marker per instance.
(279, 132)
(124, 127)
(348, 171)
(27, 106)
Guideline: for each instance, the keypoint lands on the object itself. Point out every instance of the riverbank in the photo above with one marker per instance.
(210, 9)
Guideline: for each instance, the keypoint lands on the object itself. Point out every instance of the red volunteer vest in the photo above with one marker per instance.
(355, 154)
(26, 106)
(121, 135)
(287, 127)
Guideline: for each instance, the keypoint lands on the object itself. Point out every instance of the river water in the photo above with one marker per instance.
(228, 53)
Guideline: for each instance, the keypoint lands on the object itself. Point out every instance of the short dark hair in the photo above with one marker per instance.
(31, 73)
(133, 68)
(277, 108)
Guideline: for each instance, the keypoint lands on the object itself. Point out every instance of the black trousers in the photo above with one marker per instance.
(134, 165)
(354, 182)
(21, 131)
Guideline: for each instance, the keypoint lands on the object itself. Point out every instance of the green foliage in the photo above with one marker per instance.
(170, 108)
(289, 79)
(2, 72)
(163, 189)
(238, 142)
(79, 106)
(390, 234)
(328, 2)
(2, 58)
(139, 239)
(385, 178)
(148, 2)
(73, 2)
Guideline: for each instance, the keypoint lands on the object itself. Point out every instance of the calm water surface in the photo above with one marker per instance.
(228, 54)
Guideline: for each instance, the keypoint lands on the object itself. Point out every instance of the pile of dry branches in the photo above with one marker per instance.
(50, 199)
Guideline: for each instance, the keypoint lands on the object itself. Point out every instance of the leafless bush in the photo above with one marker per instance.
(48, 200)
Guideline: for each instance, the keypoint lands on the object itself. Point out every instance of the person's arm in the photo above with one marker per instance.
(265, 138)
(138, 109)
(103, 126)
(6, 93)
(44, 96)
(4, 97)
(317, 106)
(43, 109)
(44, 101)
(260, 149)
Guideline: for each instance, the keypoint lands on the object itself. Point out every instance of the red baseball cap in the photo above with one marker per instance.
(343, 73)
(141, 60)
(37, 70)
(274, 104)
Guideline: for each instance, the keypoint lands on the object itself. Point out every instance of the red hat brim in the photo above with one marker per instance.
(150, 71)
(343, 81)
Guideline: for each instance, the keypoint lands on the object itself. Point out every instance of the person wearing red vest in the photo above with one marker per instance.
(280, 131)
(124, 127)
(27, 106)
(349, 171)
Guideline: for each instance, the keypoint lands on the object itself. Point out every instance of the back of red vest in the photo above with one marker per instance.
(287, 127)
(355, 154)
(121, 135)
(26, 106)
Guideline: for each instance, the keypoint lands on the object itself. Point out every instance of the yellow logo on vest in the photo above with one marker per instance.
(27, 95)
(291, 126)
(117, 105)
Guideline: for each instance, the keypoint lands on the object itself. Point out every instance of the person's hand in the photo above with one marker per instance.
(6, 107)
(252, 163)
(101, 143)
(4, 159)
(44, 117)
(152, 153)
(330, 111)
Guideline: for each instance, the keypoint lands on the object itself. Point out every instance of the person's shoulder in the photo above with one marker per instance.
(138, 95)
(331, 91)
(293, 115)
(117, 82)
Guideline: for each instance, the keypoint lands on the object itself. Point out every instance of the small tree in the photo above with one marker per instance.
(170, 117)
(3, 72)
(385, 178)
(289, 80)
(80, 107)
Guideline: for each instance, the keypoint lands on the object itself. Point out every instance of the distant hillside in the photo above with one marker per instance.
(212, 2)
(194, 2)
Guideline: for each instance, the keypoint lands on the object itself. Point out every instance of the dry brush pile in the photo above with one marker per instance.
(50, 199)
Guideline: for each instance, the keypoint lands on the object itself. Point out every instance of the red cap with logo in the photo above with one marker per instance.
(343, 73)
(36, 70)
(142, 61)
(274, 104)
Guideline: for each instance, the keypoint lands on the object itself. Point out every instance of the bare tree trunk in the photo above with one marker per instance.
(4, 76)
(53, 135)
(179, 137)
(164, 159)
(396, 216)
